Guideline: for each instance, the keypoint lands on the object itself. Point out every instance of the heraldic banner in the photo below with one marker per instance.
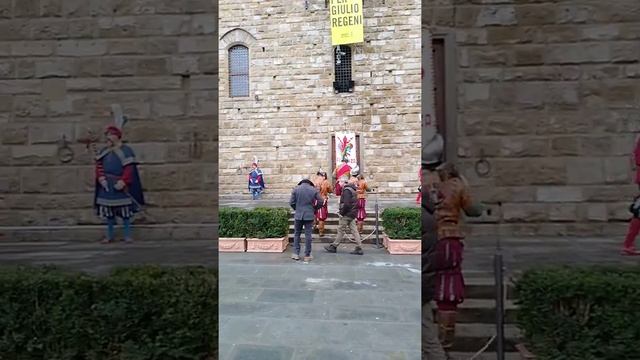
(346, 148)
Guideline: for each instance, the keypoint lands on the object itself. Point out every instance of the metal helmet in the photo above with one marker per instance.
(355, 171)
(432, 150)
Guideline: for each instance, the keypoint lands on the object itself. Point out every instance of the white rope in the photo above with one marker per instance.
(484, 348)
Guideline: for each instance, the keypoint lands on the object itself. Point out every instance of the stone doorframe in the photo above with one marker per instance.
(448, 36)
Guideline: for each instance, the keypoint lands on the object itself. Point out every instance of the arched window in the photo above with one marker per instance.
(342, 61)
(239, 71)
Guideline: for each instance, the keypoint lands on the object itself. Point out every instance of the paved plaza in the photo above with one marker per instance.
(339, 306)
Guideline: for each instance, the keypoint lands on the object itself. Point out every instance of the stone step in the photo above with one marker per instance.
(471, 337)
(484, 356)
(482, 311)
(484, 288)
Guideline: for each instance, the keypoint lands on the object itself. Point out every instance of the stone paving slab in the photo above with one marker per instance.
(100, 258)
(525, 253)
(339, 306)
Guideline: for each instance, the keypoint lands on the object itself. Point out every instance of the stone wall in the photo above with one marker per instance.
(548, 94)
(292, 110)
(64, 62)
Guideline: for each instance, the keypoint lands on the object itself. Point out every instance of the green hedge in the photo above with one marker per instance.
(402, 223)
(581, 313)
(257, 223)
(134, 314)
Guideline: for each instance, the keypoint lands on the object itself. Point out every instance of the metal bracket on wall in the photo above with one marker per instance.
(483, 167)
(65, 153)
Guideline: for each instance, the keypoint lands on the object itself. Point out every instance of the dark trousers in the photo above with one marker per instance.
(308, 230)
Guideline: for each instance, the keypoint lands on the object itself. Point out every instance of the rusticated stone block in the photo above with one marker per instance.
(13, 134)
(550, 194)
(152, 66)
(29, 106)
(525, 212)
(169, 104)
(51, 133)
(563, 212)
(585, 171)
(82, 48)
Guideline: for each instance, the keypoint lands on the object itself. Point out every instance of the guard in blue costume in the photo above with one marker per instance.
(256, 181)
(118, 192)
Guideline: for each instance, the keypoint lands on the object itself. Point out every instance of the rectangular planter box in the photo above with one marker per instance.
(232, 245)
(275, 245)
(403, 246)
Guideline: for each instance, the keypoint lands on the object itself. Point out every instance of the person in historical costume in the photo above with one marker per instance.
(453, 199)
(118, 190)
(362, 189)
(256, 181)
(431, 159)
(339, 172)
(324, 187)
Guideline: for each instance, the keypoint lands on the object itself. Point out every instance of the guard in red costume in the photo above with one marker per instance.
(362, 189)
(324, 187)
(339, 172)
(453, 199)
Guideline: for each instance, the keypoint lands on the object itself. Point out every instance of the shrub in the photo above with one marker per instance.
(233, 222)
(137, 313)
(581, 313)
(257, 223)
(402, 223)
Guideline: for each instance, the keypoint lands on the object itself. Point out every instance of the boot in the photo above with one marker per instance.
(321, 228)
(446, 329)
(360, 226)
(357, 251)
(331, 248)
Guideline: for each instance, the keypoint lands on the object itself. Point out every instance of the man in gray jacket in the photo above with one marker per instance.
(305, 200)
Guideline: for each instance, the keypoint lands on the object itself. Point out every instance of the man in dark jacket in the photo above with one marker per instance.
(348, 213)
(431, 159)
(305, 200)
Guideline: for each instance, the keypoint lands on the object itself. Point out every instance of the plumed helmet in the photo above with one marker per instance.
(355, 171)
(433, 149)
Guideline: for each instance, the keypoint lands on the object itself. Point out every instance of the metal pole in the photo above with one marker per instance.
(377, 223)
(499, 276)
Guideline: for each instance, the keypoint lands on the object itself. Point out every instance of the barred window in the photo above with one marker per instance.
(342, 57)
(239, 71)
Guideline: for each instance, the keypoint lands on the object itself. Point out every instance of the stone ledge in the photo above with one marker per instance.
(94, 233)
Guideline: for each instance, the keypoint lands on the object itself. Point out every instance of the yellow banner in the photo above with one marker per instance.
(347, 22)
